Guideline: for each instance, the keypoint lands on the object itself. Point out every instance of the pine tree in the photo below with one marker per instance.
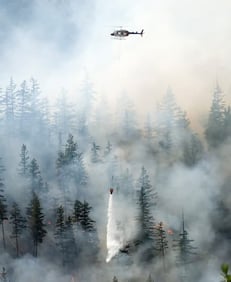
(60, 232)
(3, 205)
(10, 106)
(63, 116)
(7, 98)
(3, 216)
(214, 132)
(108, 149)
(115, 279)
(18, 224)
(23, 110)
(2, 108)
(38, 113)
(148, 131)
(35, 99)
(192, 150)
(166, 121)
(64, 236)
(86, 230)
(71, 148)
(70, 245)
(126, 185)
(227, 123)
(36, 222)
(86, 222)
(146, 200)
(129, 120)
(172, 126)
(24, 165)
(35, 177)
(77, 213)
(85, 108)
(184, 247)
(71, 170)
(95, 149)
(184, 250)
(72, 158)
(161, 244)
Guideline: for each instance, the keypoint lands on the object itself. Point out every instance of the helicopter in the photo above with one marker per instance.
(120, 33)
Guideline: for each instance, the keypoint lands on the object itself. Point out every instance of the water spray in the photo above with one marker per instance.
(113, 238)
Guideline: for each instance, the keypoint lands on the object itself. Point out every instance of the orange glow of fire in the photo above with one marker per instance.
(170, 232)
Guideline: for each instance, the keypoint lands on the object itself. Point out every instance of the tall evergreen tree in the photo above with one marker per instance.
(2, 108)
(148, 130)
(24, 165)
(108, 149)
(3, 205)
(70, 244)
(129, 123)
(23, 110)
(227, 123)
(184, 251)
(70, 168)
(36, 180)
(214, 131)
(64, 236)
(146, 200)
(36, 222)
(166, 121)
(172, 126)
(38, 113)
(10, 106)
(18, 223)
(77, 213)
(7, 102)
(72, 159)
(86, 231)
(161, 242)
(192, 150)
(126, 186)
(63, 116)
(86, 222)
(95, 149)
(60, 232)
(87, 95)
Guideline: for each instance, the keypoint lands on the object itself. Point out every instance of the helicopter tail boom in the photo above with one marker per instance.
(136, 32)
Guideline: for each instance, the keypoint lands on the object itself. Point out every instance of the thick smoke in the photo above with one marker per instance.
(60, 43)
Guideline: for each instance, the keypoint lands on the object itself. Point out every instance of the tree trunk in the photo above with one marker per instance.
(3, 236)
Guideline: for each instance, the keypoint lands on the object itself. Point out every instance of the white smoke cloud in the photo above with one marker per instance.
(185, 45)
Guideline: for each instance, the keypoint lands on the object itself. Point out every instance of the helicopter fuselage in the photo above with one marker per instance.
(124, 33)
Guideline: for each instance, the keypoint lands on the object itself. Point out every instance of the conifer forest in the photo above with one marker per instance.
(100, 189)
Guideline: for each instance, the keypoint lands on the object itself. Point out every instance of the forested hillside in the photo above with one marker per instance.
(171, 188)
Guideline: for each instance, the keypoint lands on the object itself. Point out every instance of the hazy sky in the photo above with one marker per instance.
(186, 45)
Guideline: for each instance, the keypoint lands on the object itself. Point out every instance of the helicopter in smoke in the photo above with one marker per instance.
(120, 33)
